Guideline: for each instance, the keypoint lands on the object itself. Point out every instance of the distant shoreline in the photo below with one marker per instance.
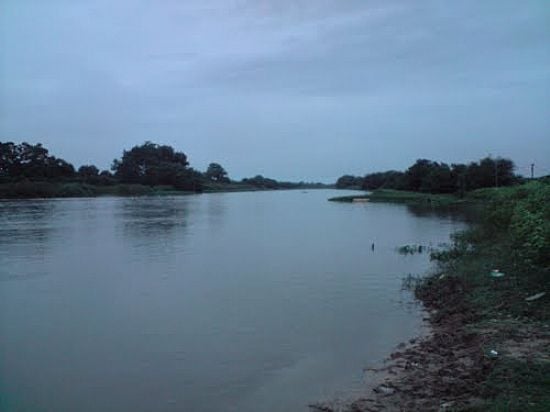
(421, 198)
(399, 196)
(52, 190)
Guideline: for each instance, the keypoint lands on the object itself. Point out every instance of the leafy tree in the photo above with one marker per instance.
(389, 180)
(152, 164)
(88, 171)
(262, 182)
(481, 174)
(31, 161)
(59, 168)
(7, 158)
(505, 172)
(348, 181)
(458, 177)
(433, 177)
(439, 179)
(489, 172)
(216, 173)
(418, 173)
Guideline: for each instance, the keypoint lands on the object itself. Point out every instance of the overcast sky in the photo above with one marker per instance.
(291, 89)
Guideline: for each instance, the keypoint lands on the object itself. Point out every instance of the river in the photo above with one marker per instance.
(260, 301)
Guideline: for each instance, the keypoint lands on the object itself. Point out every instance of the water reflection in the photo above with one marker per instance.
(156, 225)
(459, 213)
(152, 217)
(26, 221)
(216, 210)
(25, 228)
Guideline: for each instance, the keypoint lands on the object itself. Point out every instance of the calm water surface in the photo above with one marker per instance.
(237, 302)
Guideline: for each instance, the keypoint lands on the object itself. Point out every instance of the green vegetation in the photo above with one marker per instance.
(427, 176)
(44, 189)
(216, 173)
(152, 165)
(26, 161)
(517, 386)
(503, 266)
(350, 182)
(29, 171)
(402, 196)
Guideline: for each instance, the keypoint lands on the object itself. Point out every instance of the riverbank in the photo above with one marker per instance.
(46, 189)
(400, 196)
(488, 305)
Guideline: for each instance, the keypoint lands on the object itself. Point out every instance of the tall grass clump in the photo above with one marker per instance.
(512, 236)
(502, 265)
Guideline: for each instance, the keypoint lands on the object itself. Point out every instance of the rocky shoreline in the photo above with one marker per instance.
(438, 371)
(448, 368)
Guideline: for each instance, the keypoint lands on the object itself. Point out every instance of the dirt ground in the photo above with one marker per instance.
(446, 369)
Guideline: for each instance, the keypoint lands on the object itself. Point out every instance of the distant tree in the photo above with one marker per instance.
(349, 181)
(433, 177)
(505, 172)
(7, 159)
(418, 173)
(216, 173)
(152, 164)
(389, 180)
(489, 172)
(395, 180)
(262, 182)
(439, 179)
(193, 181)
(480, 174)
(104, 178)
(31, 161)
(88, 171)
(458, 176)
(59, 168)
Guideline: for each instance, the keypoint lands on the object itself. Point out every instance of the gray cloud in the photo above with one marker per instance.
(291, 89)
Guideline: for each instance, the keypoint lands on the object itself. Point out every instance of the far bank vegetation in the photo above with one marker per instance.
(30, 171)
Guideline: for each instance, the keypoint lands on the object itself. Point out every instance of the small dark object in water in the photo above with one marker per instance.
(419, 248)
(372, 246)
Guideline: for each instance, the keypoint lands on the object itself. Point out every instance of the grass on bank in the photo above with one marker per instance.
(213, 187)
(513, 236)
(48, 189)
(517, 386)
(401, 196)
(45, 189)
(29, 189)
(484, 195)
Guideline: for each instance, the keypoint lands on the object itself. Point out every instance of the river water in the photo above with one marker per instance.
(263, 301)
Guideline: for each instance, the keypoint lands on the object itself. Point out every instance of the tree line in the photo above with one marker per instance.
(148, 164)
(433, 177)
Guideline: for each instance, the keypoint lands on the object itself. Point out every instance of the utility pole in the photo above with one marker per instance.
(532, 170)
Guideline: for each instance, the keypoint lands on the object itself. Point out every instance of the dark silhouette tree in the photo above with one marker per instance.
(31, 161)
(347, 181)
(216, 173)
(418, 173)
(88, 171)
(262, 182)
(152, 164)
(433, 177)
(387, 180)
